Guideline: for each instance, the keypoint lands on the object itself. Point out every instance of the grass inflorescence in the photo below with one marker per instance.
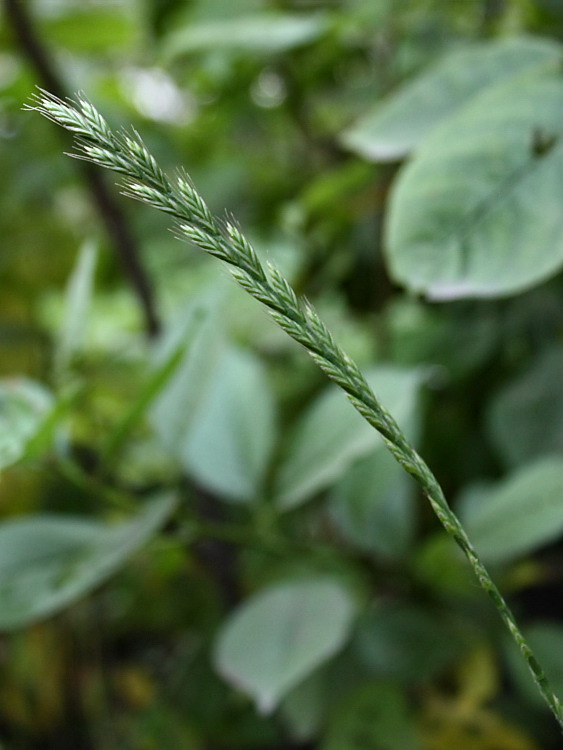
(126, 154)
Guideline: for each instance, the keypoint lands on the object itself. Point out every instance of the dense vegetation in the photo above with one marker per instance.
(202, 545)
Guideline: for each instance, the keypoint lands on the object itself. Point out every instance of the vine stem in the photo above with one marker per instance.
(126, 154)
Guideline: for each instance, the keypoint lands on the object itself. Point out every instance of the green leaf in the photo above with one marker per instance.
(406, 643)
(526, 419)
(519, 514)
(92, 30)
(277, 638)
(265, 33)
(175, 408)
(157, 381)
(461, 339)
(24, 408)
(372, 506)
(476, 213)
(199, 10)
(374, 717)
(217, 414)
(228, 445)
(48, 562)
(78, 297)
(331, 435)
(398, 124)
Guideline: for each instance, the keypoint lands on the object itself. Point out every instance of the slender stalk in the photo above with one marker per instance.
(20, 19)
(144, 180)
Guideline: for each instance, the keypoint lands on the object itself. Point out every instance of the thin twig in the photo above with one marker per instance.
(145, 181)
(111, 214)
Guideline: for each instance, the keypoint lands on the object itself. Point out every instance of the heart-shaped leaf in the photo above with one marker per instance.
(399, 123)
(281, 635)
(477, 211)
(229, 442)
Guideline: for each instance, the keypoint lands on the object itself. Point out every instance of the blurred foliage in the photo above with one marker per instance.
(202, 546)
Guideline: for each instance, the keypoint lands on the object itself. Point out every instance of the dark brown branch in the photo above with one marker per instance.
(110, 213)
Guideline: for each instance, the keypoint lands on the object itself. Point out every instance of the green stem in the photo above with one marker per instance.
(145, 181)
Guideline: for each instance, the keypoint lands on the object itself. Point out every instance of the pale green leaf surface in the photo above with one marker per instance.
(229, 442)
(399, 123)
(48, 562)
(477, 212)
(525, 420)
(331, 435)
(24, 407)
(278, 637)
(372, 506)
(175, 408)
(217, 413)
(263, 33)
(78, 297)
(518, 515)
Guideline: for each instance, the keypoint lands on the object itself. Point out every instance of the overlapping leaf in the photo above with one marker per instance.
(399, 123)
(519, 515)
(331, 435)
(526, 418)
(24, 408)
(48, 562)
(477, 211)
(281, 635)
(260, 33)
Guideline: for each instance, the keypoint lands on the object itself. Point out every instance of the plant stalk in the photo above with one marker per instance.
(20, 19)
(145, 181)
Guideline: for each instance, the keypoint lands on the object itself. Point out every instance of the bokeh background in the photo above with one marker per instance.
(201, 546)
